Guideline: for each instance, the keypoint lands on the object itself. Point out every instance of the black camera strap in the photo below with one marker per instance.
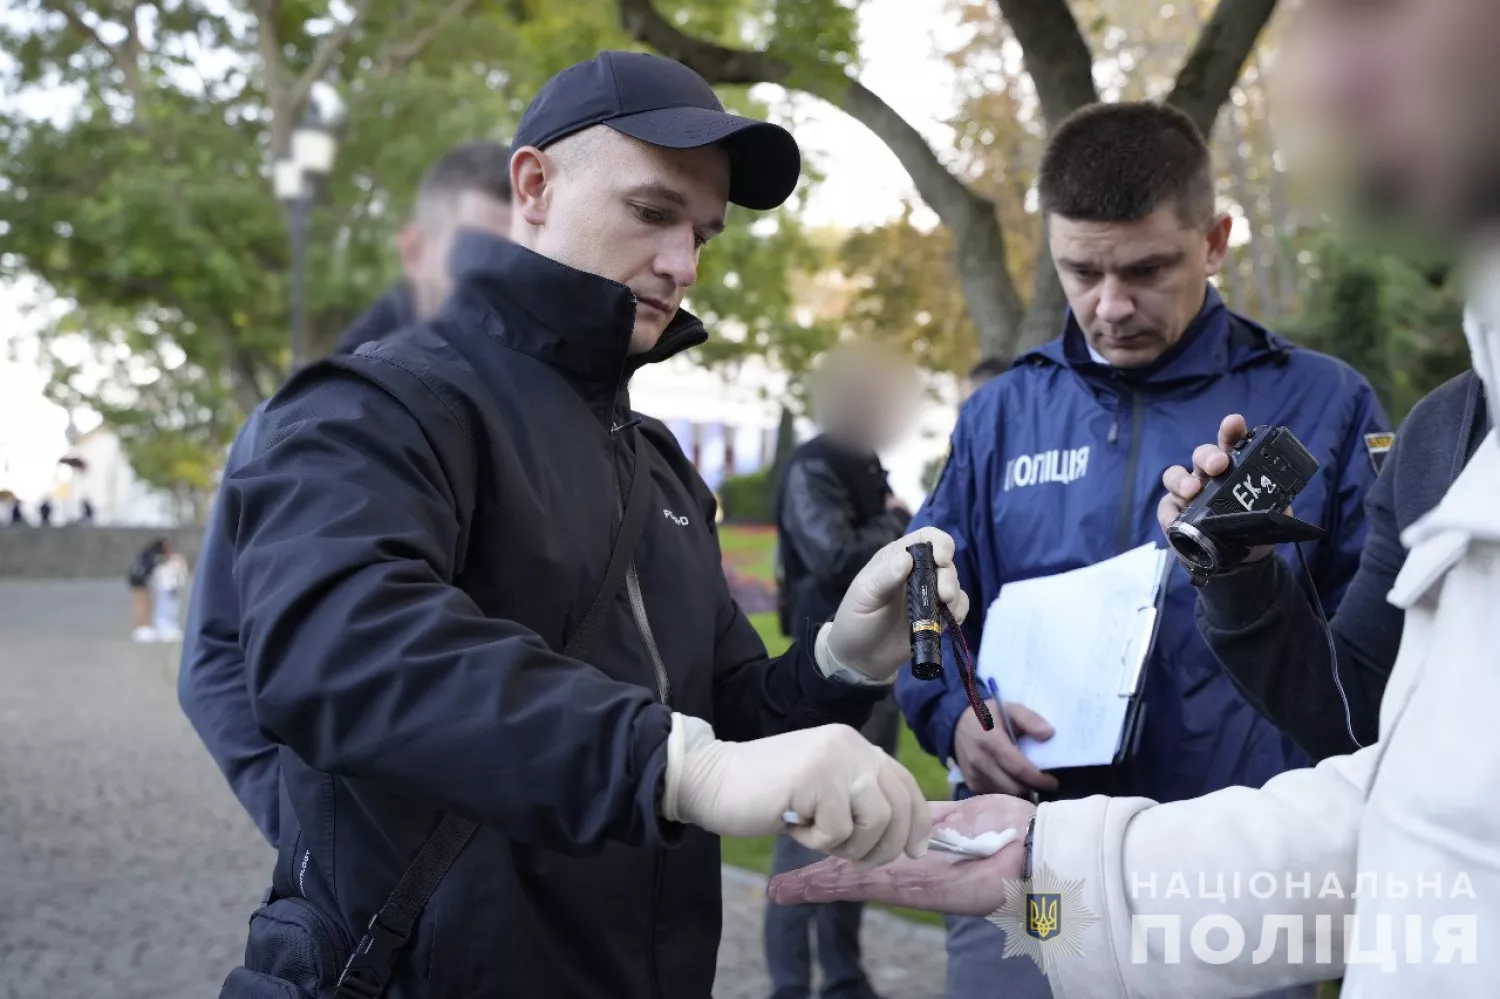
(369, 968)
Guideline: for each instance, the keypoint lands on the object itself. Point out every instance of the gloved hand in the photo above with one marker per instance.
(854, 801)
(871, 633)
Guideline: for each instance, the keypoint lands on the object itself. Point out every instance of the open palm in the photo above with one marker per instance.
(937, 881)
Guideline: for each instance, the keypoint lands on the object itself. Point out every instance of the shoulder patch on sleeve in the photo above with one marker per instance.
(1378, 446)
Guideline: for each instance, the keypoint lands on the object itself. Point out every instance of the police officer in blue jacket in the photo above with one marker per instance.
(1057, 464)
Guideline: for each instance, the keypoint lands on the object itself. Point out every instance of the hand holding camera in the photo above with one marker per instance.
(1235, 505)
(1209, 460)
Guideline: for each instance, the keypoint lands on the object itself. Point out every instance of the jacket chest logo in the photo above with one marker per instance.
(1058, 465)
(679, 521)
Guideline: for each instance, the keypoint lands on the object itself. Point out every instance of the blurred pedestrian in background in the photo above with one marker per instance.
(834, 511)
(467, 186)
(168, 581)
(140, 579)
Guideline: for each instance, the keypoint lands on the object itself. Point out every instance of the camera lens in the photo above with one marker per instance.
(1196, 549)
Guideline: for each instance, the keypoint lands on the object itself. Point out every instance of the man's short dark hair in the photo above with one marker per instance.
(1121, 162)
(481, 165)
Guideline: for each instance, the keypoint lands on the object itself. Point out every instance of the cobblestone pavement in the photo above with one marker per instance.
(129, 869)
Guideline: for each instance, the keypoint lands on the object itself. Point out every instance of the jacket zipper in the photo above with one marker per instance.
(638, 606)
(1127, 495)
(632, 577)
(638, 601)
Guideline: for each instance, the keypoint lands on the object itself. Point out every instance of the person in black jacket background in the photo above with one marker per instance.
(834, 511)
(467, 186)
(1263, 628)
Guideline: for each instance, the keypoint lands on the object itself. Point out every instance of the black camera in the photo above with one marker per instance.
(1245, 507)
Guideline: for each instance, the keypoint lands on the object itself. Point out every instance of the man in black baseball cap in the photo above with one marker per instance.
(662, 102)
(435, 523)
(623, 165)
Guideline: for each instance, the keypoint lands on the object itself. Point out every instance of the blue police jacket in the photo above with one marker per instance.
(1057, 464)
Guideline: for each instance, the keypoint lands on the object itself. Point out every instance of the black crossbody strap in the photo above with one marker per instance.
(629, 535)
(369, 967)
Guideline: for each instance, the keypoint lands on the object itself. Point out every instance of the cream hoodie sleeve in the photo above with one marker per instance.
(1305, 845)
(1144, 865)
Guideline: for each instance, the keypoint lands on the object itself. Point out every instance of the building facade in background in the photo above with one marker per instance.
(95, 469)
(726, 421)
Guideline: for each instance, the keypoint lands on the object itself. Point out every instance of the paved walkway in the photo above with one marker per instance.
(129, 869)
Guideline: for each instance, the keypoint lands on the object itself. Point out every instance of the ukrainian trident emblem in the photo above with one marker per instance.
(1043, 914)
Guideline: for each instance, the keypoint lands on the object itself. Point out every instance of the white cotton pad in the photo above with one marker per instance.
(984, 845)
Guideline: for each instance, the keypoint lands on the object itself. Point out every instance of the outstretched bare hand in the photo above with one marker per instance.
(937, 881)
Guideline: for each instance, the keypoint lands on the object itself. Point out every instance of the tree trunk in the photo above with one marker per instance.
(1287, 291)
(1265, 303)
(1206, 78)
(1058, 60)
(1055, 54)
(994, 304)
(1048, 302)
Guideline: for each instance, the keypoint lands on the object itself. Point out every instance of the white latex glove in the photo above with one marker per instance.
(871, 633)
(854, 800)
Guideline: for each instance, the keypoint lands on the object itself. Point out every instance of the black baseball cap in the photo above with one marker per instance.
(662, 102)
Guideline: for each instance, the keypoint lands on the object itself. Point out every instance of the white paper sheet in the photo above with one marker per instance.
(1071, 647)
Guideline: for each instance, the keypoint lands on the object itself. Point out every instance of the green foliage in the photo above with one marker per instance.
(751, 551)
(749, 499)
(908, 293)
(1396, 317)
(147, 207)
(819, 40)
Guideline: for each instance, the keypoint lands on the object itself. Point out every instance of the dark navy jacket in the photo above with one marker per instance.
(1264, 630)
(1057, 464)
(422, 526)
(211, 678)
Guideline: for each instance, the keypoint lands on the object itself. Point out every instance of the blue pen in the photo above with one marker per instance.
(994, 688)
(989, 682)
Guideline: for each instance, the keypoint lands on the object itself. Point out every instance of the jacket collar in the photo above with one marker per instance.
(1216, 343)
(389, 313)
(578, 322)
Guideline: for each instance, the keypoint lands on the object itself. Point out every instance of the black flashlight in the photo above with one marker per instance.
(922, 610)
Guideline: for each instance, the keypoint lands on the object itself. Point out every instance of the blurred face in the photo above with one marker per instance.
(1136, 287)
(868, 403)
(427, 243)
(1413, 87)
(627, 211)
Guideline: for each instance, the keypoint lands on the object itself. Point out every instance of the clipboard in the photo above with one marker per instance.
(1071, 645)
(1133, 668)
